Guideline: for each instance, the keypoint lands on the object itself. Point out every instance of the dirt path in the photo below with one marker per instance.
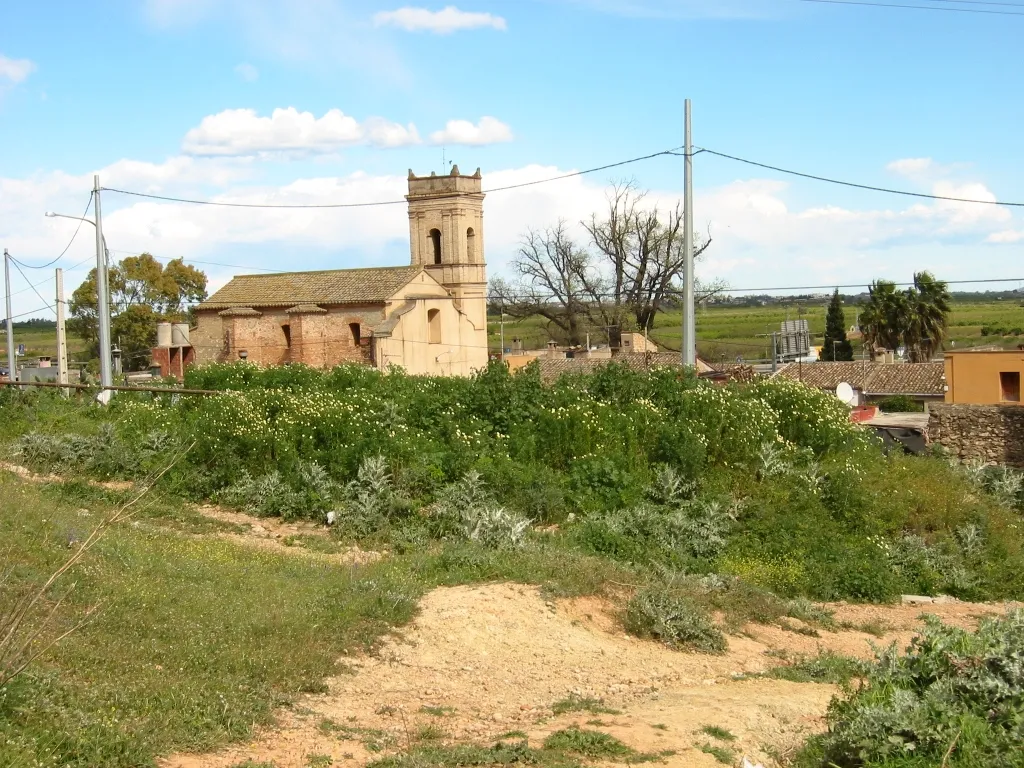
(297, 537)
(486, 660)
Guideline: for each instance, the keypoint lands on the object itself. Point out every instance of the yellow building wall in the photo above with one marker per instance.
(461, 350)
(973, 377)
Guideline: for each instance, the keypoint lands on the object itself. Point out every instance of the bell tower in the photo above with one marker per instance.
(446, 237)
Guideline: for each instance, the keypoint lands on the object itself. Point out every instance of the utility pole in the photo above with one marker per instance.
(102, 297)
(62, 339)
(501, 324)
(12, 363)
(689, 316)
(775, 354)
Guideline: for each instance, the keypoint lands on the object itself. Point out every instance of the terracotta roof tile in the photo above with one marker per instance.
(908, 379)
(306, 309)
(872, 378)
(335, 286)
(239, 312)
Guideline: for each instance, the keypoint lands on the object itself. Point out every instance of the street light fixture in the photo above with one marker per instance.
(102, 292)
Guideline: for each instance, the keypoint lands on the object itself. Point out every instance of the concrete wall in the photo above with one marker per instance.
(973, 377)
(991, 433)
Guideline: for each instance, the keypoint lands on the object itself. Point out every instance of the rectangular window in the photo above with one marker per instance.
(287, 329)
(1009, 386)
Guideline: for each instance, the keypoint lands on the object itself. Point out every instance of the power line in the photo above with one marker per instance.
(977, 2)
(915, 7)
(31, 286)
(17, 266)
(385, 202)
(72, 240)
(861, 186)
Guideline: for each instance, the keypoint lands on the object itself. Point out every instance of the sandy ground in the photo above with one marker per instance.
(481, 661)
(273, 534)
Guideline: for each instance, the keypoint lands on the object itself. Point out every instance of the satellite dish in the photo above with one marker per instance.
(845, 393)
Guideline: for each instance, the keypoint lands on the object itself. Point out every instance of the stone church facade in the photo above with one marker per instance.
(429, 317)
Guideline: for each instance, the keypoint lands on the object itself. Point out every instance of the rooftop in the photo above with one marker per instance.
(872, 378)
(374, 285)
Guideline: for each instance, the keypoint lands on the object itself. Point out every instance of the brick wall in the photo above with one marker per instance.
(316, 339)
(992, 433)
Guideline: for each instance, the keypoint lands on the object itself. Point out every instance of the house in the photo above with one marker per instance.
(429, 317)
(873, 381)
(984, 377)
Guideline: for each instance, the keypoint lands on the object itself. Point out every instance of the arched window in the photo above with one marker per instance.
(287, 331)
(435, 241)
(356, 333)
(434, 326)
(471, 245)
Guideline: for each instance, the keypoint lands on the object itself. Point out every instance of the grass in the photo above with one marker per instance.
(515, 753)
(595, 745)
(717, 732)
(723, 755)
(437, 711)
(725, 332)
(575, 703)
(196, 638)
(826, 667)
(199, 639)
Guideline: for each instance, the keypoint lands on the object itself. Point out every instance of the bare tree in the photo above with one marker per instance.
(630, 271)
(553, 274)
(641, 250)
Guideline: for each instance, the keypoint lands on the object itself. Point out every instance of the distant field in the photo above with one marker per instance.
(39, 342)
(725, 333)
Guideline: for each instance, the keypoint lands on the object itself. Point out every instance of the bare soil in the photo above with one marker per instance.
(482, 661)
(284, 537)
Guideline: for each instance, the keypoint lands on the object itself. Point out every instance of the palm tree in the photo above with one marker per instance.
(928, 316)
(884, 317)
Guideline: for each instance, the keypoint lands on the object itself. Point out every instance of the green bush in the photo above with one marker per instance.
(676, 622)
(900, 404)
(956, 698)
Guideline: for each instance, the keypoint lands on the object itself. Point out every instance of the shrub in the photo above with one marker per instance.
(673, 621)
(955, 698)
(270, 495)
(496, 528)
(467, 509)
(900, 404)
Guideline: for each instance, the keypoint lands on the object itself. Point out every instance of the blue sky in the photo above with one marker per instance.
(178, 98)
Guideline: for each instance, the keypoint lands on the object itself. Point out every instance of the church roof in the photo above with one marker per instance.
(334, 286)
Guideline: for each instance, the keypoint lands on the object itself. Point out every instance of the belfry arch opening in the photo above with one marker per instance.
(471, 245)
(435, 243)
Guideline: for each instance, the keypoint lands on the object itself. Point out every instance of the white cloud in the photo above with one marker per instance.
(911, 166)
(15, 70)
(759, 237)
(444, 22)
(489, 130)
(1006, 236)
(247, 72)
(243, 133)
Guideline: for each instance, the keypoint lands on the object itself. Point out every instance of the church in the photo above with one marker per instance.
(428, 318)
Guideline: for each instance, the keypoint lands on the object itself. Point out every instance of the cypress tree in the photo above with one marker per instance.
(836, 347)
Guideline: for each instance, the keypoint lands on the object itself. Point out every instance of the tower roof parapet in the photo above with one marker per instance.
(454, 183)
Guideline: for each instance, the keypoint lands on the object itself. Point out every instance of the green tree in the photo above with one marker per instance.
(836, 347)
(916, 318)
(143, 292)
(928, 302)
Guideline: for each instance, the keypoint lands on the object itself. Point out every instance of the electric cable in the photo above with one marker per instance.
(88, 205)
(860, 186)
(403, 201)
(914, 7)
(17, 266)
